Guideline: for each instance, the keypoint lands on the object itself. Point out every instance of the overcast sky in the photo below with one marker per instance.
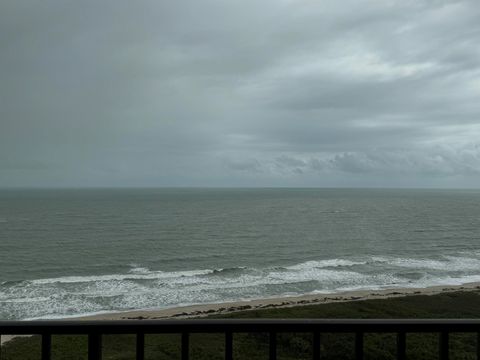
(240, 93)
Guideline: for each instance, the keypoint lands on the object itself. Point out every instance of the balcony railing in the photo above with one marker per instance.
(95, 330)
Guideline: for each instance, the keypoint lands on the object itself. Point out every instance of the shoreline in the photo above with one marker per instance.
(202, 310)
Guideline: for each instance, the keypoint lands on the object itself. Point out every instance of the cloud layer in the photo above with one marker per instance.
(239, 93)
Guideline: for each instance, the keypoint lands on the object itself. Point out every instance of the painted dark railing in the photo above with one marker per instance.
(95, 330)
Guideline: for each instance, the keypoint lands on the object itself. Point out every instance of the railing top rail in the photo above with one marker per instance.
(238, 325)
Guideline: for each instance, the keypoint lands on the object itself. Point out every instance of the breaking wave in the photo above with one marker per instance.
(144, 288)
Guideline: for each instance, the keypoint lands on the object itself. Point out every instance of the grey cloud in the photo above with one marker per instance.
(436, 161)
(193, 93)
(246, 165)
(289, 161)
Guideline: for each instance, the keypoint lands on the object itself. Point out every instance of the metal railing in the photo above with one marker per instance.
(95, 330)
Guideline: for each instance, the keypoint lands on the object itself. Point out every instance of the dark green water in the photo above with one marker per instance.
(70, 252)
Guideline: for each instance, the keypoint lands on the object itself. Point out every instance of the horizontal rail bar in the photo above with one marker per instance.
(238, 325)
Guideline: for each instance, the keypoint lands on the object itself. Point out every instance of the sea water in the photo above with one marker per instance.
(83, 251)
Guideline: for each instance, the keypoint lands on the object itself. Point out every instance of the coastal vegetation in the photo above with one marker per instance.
(459, 304)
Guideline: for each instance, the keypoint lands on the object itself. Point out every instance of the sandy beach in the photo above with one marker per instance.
(202, 310)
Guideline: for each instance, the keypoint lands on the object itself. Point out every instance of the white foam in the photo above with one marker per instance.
(325, 263)
(73, 295)
(140, 270)
(25, 300)
(143, 274)
(448, 263)
(443, 281)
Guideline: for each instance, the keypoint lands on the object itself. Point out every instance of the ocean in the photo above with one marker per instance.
(67, 253)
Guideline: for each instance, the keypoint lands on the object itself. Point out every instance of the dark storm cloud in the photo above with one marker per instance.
(233, 93)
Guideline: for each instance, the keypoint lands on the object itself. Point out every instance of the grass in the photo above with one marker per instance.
(290, 346)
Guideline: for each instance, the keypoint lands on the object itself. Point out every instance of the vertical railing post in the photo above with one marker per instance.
(228, 345)
(401, 346)
(94, 346)
(478, 346)
(316, 346)
(140, 346)
(46, 346)
(273, 346)
(359, 346)
(185, 346)
(443, 350)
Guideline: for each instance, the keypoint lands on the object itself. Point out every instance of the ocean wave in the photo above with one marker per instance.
(11, 283)
(143, 274)
(448, 263)
(430, 280)
(325, 263)
(143, 288)
(26, 300)
(229, 271)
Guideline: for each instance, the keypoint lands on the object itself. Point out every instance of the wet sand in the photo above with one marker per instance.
(194, 311)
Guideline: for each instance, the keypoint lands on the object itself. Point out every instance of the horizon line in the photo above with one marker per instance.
(230, 187)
